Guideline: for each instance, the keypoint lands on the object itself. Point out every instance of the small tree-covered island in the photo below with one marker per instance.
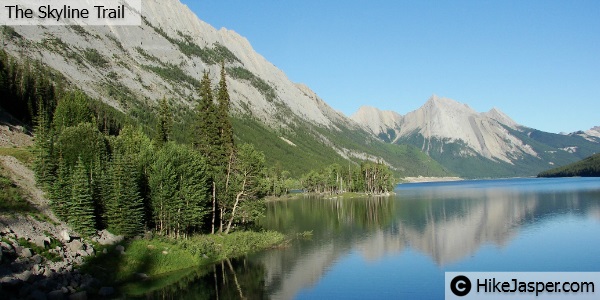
(177, 194)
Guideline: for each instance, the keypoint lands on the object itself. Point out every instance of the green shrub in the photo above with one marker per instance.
(95, 58)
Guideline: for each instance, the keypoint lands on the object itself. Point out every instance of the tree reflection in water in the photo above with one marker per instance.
(229, 279)
(447, 223)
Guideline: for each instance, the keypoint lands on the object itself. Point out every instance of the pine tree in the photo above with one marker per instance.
(225, 127)
(193, 190)
(226, 156)
(81, 206)
(206, 124)
(178, 185)
(61, 191)
(71, 110)
(125, 208)
(44, 164)
(100, 190)
(163, 187)
(208, 141)
(165, 122)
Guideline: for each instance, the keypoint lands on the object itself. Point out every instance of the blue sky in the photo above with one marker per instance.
(538, 61)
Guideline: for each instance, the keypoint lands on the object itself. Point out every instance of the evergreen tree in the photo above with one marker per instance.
(81, 141)
(71, 110)
(193, 190)
(208, 141)
(223, 170)
(165, 122)
(81, 206)
(44, 164)
(225, 127)
(179, 186)
(125, 207)
(206, 123)
(100, 189)
(61, 191)
(163, 187)
(135, 145)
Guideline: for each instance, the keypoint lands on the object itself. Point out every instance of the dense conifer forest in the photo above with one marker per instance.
(103, 169)
(589, 167)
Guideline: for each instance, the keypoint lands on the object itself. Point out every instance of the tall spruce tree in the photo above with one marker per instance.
(225, 127)
(61, 191)
(72, 109)
(226, 150)
(178, 185)
(165, 122)
(193, 190)
(163, 187)
(125, 207)
(81, 205)
(100, 188)
(206, 124)
(207, 139)
(44, 164)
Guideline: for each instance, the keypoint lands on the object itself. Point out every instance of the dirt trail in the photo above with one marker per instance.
(25, 179)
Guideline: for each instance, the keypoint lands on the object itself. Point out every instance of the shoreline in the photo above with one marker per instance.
(348, 195)
(421, 179)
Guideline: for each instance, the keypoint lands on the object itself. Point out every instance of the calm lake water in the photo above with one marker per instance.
(400, 246)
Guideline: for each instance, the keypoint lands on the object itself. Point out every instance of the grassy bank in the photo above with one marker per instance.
(25, 154)
(158, 256)
(11, 196)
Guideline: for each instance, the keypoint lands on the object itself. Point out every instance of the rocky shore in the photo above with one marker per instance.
(40, 260)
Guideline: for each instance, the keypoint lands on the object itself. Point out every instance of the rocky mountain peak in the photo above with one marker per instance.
(501, 117)
(448, 120)
(592, 134)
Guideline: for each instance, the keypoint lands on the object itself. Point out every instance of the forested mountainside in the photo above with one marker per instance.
(129, 68)
(588, 167)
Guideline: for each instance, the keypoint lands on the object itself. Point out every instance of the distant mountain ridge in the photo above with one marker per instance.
(592, 134)
(469, 142)
(588, 167)
(443, 118)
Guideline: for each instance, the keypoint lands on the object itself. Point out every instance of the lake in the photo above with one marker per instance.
(400, 246)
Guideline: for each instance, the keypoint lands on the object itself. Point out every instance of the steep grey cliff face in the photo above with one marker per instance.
(164, 57)
(375, 120)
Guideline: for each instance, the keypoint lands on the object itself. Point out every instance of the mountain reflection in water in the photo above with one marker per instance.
(448, 222)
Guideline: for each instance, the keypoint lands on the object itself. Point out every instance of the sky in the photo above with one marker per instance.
(537, 61)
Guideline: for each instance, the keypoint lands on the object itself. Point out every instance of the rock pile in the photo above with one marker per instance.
(26, 274)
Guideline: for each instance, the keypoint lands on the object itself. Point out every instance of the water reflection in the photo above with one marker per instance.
(447, 223)
(229, 279)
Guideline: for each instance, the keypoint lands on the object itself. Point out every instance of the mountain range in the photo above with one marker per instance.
(478, 144)
(132, 67)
